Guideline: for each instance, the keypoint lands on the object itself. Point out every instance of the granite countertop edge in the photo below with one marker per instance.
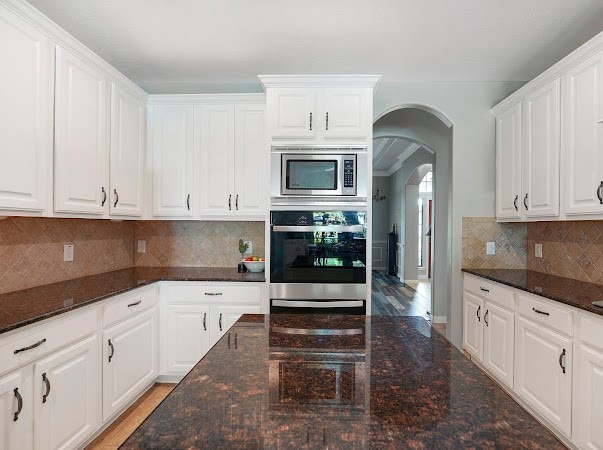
(136, 277)
(575, 293)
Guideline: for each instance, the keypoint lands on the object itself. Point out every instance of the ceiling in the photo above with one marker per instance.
(218, 45)
(390, 153)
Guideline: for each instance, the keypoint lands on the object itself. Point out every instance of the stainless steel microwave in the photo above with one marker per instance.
(318, 174)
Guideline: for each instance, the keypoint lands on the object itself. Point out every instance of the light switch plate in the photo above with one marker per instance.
(249, 247)
(68, 252)
(142, 246)
(538, 250)
(490, 248)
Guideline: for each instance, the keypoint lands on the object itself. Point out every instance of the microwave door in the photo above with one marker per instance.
(311, 175)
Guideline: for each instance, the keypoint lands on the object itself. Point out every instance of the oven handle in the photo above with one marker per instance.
(336, 228)
(320, 304)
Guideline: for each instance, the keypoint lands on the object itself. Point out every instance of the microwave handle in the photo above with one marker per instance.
(335, 228)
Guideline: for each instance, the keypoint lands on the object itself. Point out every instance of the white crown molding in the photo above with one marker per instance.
(204, 99)
(358, 81)
(582, 53)
(60, 37)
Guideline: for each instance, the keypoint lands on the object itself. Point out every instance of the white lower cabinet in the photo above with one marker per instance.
(224, 316)
(130, 360)
(16, 410)
(543, 374)
(473, 332)
(499, 336)
(66, 396)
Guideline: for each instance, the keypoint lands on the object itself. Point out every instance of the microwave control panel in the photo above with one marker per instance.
(349, 175)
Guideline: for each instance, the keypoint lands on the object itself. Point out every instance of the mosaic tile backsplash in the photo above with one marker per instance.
(569, 249)
(510, 240)
(31, 249)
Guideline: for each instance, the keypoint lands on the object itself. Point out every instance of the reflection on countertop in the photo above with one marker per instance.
(27, 306)
(321, 381)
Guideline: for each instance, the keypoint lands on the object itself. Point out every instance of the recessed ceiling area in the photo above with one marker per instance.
(390, 153)
(208, 46)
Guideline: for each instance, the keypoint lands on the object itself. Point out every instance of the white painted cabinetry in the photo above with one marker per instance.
(16, 410)
(81, 154)
(498, 342)
(128, 150)
(26, 93)
(345, 113)
(508, 164)
(293, 113)
(173, 160)
(473, 332)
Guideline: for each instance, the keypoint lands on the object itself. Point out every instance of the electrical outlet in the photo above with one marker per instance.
(249, 247)
(142, 246)
(538, 251)
(490, 248)
(68, 252)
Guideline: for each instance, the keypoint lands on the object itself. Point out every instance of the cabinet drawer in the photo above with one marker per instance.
(591, 330)
(494, 292)
(51, 336)
(129, 304)
(545, 312)
(212, 293)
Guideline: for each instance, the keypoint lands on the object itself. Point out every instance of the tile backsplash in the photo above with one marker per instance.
(569, 249)
(510, 240)
(31, 249)
(196, 243)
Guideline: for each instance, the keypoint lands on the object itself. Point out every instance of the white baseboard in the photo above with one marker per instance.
(439, 319)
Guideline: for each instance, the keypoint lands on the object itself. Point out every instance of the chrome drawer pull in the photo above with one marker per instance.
(31, 347)
(544, 313)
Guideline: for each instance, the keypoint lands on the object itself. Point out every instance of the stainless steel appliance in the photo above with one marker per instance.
(318, 262)
(304, 174)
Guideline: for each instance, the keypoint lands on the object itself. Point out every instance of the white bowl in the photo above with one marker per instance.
(254, 266)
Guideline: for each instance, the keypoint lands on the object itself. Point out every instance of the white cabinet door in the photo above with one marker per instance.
(67, 396)
(509, 205)
(81, 136)
(292, 113)
(542, 117)
(251, 160)
(16, 415)
(224, 317)
(216, 132)
(187, 337)
(473, 331)
(344, 114)
(498, 342)
(589, 400)
(129, 360)
(582, 138)
(173, 159)
(128, 144)
(26, 93)
(543, 372)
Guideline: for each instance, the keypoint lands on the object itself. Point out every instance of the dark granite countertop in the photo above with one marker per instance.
(27, 306)
(578, 294)
(337, 382)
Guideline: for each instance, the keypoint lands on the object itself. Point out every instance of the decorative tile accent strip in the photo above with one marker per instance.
(196, 243)
(510, 240)
(31, 249)
(569, 249)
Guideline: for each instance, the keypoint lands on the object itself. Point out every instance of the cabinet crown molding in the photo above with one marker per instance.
(357, 81)
(205, 99)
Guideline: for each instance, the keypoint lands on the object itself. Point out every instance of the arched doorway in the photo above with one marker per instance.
(418, 135)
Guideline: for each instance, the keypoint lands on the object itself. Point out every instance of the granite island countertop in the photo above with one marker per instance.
(578, 294)
(338, 382)
(27, 306)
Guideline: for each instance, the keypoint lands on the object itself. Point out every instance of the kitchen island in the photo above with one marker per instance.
(320, 381)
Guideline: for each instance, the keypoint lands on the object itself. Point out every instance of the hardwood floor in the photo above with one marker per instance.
(391, 297)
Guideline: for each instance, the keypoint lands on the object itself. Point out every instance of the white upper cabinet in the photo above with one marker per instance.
(542, 117)
(582, 147)
(128, 149)
(173, 160)
(81, 136)
(294, 113)
(345, 114)
(26, 93)
(508, 164)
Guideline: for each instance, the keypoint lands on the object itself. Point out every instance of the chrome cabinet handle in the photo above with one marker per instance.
(600, 193)
(188, 202)
(47, 383)
(237, 202)
(135, 303)
(544, 313)
(112, 350)
(486, 317)
(525, 202)
(479, 308)
(31, 347)
(327, 121)
(515, 202)
(116, 198)
(310, 121)
(104, 196)
(484, 289)
(213, 293)
(220, 322)
(204, 322)
(229, 202)
(562, 360)
(19, 404)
